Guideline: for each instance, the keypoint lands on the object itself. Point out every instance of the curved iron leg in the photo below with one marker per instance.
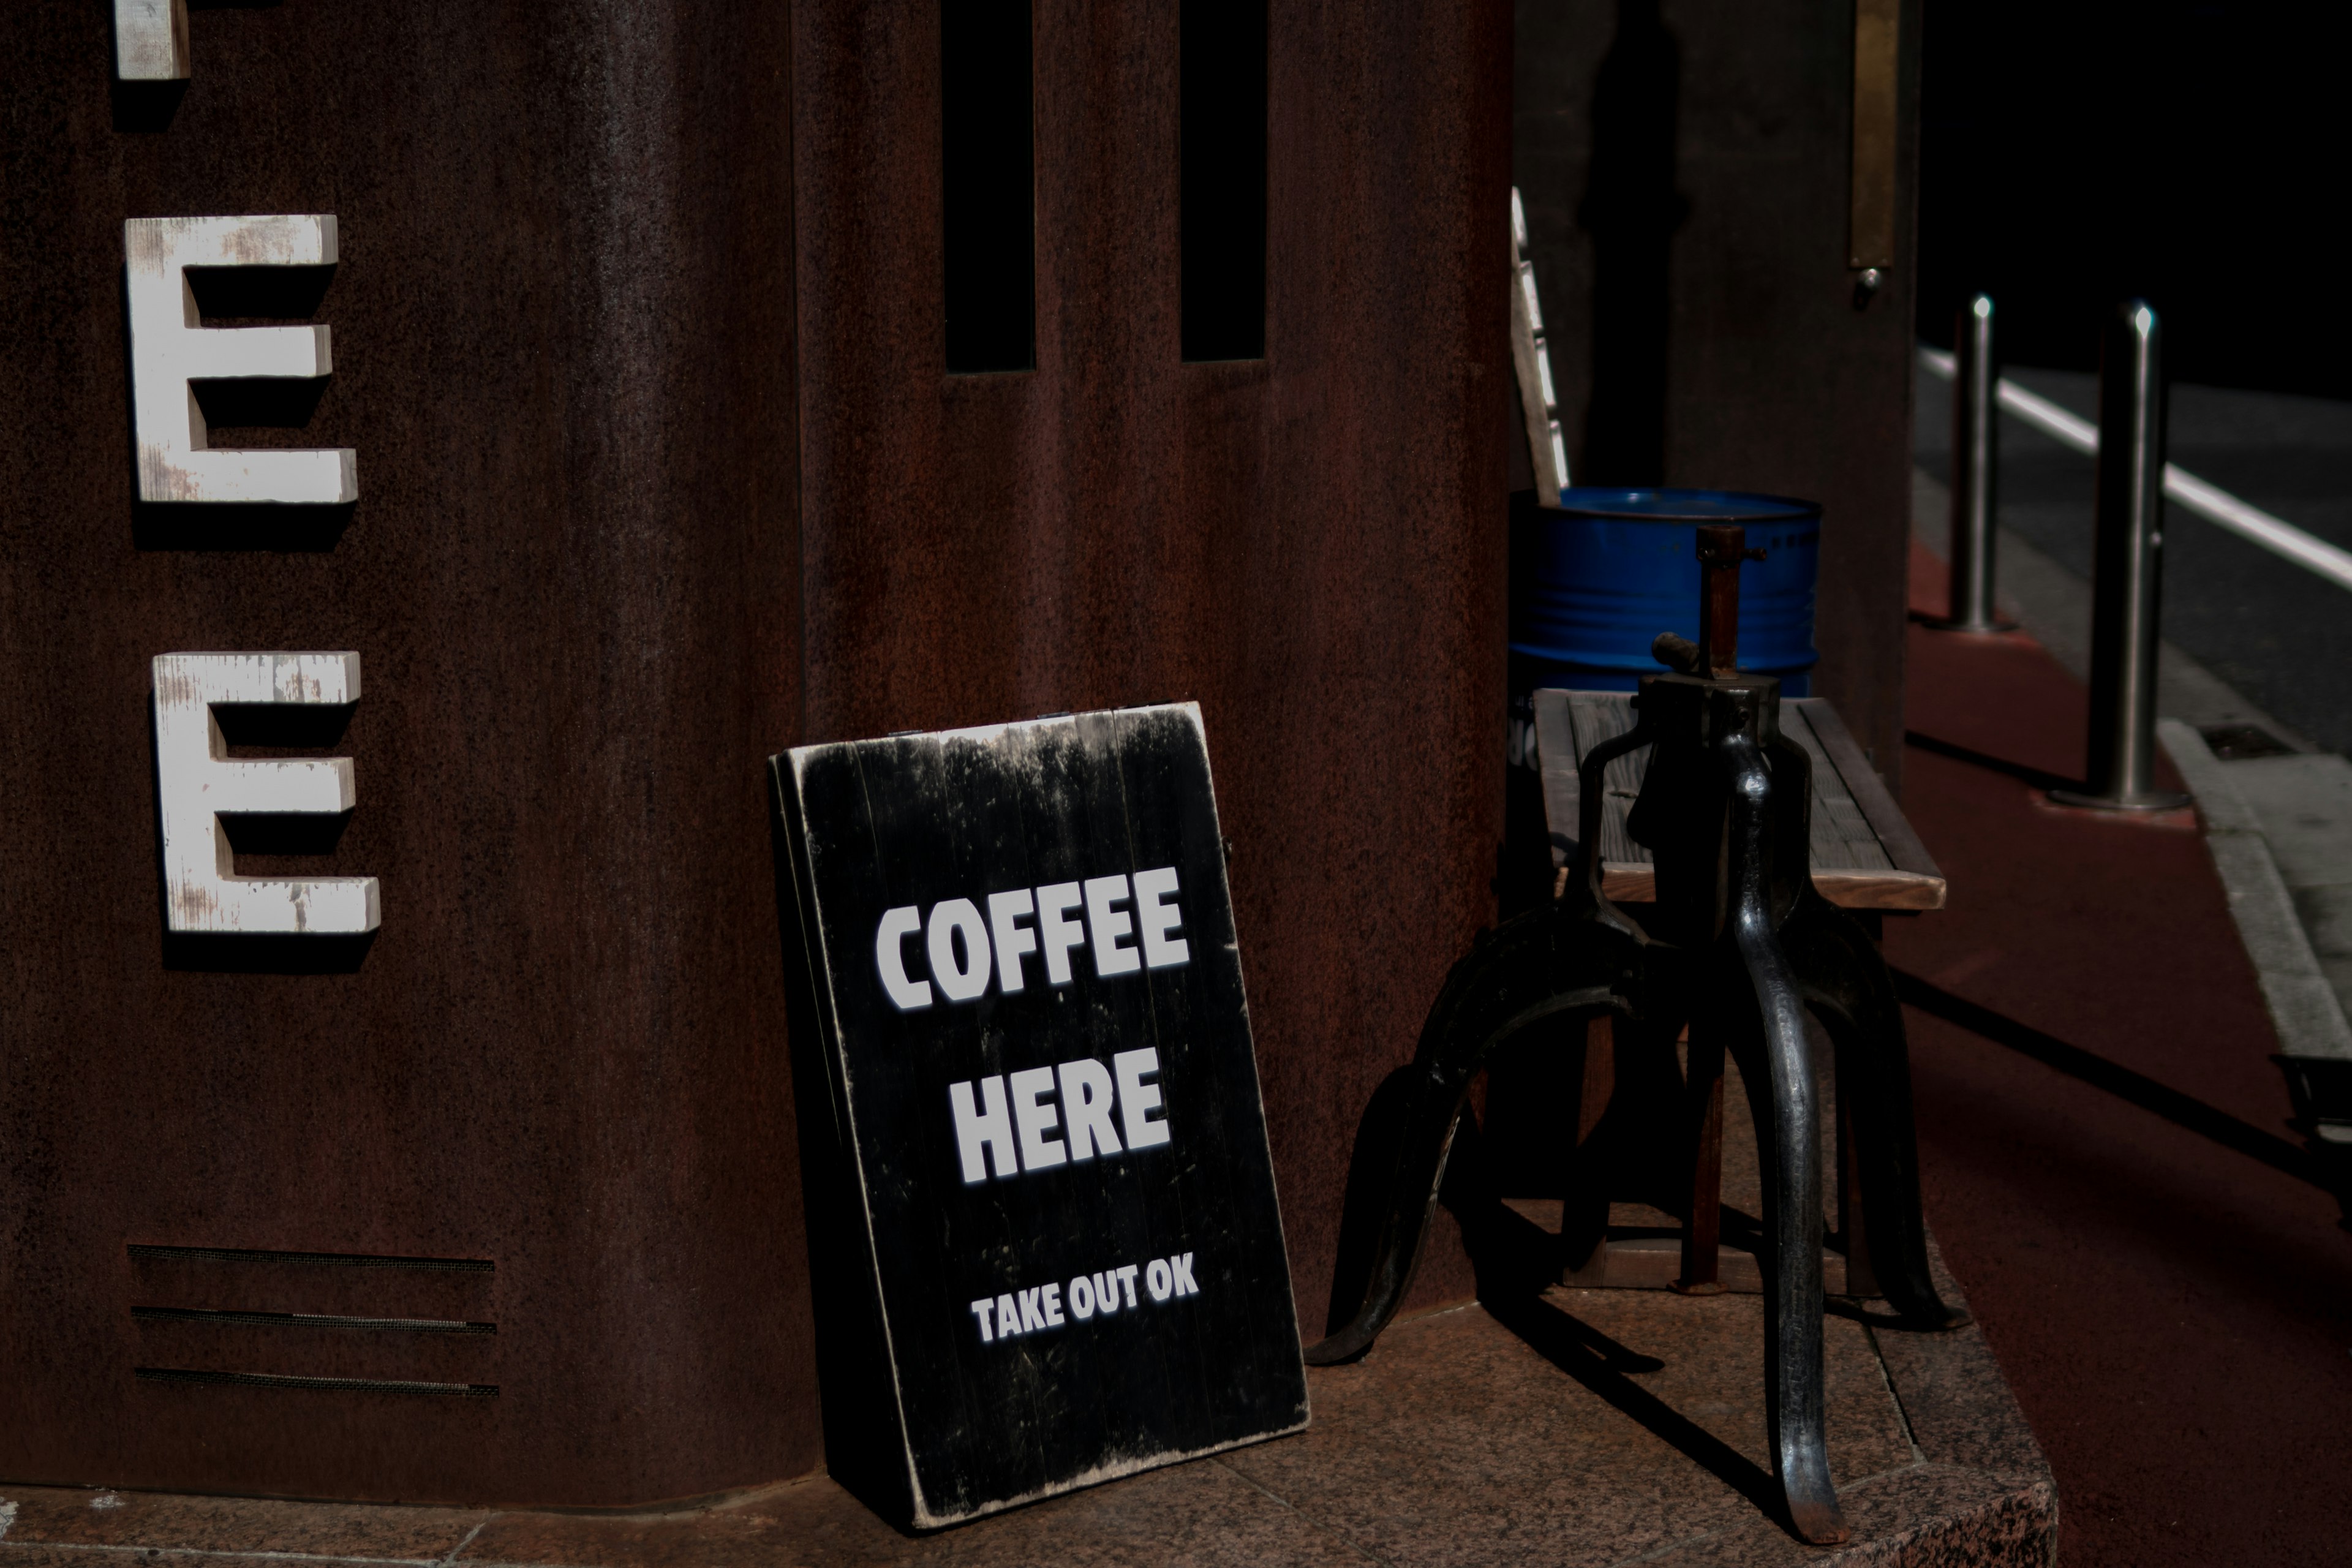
(1532, 967)
(1788, 1123)
(1847, 984)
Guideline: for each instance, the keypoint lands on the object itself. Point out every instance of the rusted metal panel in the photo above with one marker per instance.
(1311, 546)
(636, 332)
(562, 331)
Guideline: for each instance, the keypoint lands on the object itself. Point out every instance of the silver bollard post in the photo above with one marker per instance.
(2128, 574)
(1976, 427)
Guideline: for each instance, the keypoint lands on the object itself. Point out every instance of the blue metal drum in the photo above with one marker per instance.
(1593, 584)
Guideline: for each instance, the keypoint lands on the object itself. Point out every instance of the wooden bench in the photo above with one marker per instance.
(1864, 855)
(1737, 965)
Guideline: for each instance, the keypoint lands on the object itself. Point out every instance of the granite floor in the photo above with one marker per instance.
(1576, 1428)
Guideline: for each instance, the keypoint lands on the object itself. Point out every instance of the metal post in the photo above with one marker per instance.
(2128, 574)
(1976, 426)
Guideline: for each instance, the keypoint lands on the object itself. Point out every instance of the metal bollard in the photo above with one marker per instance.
(1976, 426)
(2128, 574)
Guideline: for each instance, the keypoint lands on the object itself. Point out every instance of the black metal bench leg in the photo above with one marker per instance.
(1539, 965)
(1584, 1205)
(1847, 983)
(1703, 1117)
(1776, 1064)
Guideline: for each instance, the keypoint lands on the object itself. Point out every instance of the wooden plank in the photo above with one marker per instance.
(1567, 725)
(1557, 747)
(1899, 890)
(1841, 839)
(1866, 856)
(1870, 793)
(1604, 716)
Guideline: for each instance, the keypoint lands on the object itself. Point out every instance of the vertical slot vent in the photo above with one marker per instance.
(987, 158)
(1222, 151)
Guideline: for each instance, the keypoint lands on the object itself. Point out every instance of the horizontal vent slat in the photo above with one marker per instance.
(149, 1253)
(329, 1384)
(308, 1320)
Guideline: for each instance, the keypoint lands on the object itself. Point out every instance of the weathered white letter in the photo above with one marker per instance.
(1137, 1098)
(891, 958)
(170, 349)
(196, 781)
(150, 40)
(1157, 917)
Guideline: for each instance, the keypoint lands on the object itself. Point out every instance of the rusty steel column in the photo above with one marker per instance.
(541, 1109)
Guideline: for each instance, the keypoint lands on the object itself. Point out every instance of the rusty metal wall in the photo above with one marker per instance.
(1685, 169)
(635, 513)
(619, 537)
(1311, 545)
(564, 345)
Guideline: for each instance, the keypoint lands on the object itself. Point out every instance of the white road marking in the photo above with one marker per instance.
(2209, 502)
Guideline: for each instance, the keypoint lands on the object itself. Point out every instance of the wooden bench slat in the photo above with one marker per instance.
(1870, 793)
(1842, 838)
(1865, 854)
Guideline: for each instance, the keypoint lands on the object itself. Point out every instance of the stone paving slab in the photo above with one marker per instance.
(1577, 1427)
(2305, 804)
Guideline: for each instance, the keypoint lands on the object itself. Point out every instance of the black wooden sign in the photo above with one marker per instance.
(1048, 1248)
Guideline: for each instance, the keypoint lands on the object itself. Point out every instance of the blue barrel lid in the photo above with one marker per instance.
(1681, 505)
